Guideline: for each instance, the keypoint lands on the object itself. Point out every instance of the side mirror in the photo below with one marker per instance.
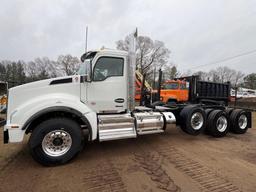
(88, 69)
(187, 85)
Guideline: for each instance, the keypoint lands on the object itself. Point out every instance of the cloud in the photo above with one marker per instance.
(197, 31)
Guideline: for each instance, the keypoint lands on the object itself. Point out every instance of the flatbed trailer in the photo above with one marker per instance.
(98, 104)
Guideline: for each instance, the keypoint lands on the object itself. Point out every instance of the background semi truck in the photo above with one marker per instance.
(98, 103)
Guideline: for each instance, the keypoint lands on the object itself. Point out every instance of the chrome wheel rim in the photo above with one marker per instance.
(197, 121)
(242, 121)
(56, 143)
(222, 123)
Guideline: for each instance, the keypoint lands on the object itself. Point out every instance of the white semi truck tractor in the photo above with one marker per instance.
(98, 103)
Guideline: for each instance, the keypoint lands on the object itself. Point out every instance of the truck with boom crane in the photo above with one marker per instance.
(98, 103)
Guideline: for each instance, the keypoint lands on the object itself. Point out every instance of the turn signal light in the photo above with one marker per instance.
(14, 126)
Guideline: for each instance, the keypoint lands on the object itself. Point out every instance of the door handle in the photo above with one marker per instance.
(119, 100)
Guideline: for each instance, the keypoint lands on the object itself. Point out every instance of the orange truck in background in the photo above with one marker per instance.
(171, 90)
(174, 91)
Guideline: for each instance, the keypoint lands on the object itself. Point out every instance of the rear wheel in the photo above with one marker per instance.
(229, 111)
(239, 121)
(217, 123)
(193, 120)
(208, 111)
(55, 141)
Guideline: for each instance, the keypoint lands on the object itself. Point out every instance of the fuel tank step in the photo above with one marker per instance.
(112, 127)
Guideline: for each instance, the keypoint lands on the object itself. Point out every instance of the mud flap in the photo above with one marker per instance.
(6, 136)
(249, 117)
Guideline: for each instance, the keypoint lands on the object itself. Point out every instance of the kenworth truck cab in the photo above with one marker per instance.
(97, 103)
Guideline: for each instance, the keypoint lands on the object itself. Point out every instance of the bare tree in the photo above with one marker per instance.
(171, 72)
(238, 78)
(250, 81)
(188, 72)
(149, 53)
(2, 72)
(204, 76)
(67, 64)
(13, 72)
(222, 75)
(41, 68)
(20, 75)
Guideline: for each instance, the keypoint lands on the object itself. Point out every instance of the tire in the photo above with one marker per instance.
(193, 120)
(217, 123)
(229, 111)
(238, 121)
(55, 141)
(208, 111)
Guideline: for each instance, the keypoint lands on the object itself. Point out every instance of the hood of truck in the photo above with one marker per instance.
(49, 88)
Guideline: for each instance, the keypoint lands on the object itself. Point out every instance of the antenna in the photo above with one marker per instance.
(86, 38)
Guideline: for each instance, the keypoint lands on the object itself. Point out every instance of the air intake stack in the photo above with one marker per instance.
(131, 70)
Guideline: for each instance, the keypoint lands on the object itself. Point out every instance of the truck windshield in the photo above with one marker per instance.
(171, 86)
(84, 68)
(183, 86)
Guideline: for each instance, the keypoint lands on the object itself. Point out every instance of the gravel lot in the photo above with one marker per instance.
(172, 161)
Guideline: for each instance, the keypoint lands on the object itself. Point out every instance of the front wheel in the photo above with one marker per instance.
(55, 141)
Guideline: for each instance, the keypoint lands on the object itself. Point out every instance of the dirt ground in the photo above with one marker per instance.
(172, 161)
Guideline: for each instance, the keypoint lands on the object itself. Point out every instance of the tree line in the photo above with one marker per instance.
(225, 74)
(150, 56)
(20, 72)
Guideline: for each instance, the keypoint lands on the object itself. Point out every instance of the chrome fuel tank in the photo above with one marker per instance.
(149, 122)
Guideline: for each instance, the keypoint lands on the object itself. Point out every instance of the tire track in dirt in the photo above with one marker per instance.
(103, 177)
(208, 180)
(247, 137)
(151, 164)
(10, 160)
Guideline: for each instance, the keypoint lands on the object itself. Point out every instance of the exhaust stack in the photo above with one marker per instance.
(131, 70)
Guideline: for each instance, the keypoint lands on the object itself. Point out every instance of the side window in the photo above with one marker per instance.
(107, 67)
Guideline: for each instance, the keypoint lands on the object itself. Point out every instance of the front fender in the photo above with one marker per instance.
(23, 113)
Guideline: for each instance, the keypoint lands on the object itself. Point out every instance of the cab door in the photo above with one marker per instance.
(183, 91)
(107, 93)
